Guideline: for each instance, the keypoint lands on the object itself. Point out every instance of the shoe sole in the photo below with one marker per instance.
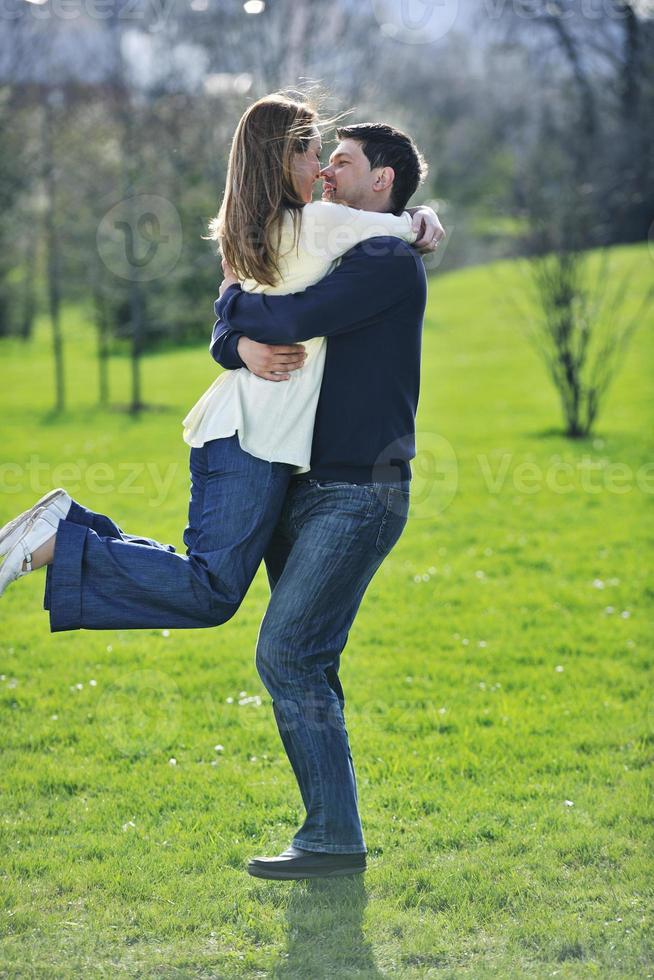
(11, 526)
(298, 876)
(11, 568)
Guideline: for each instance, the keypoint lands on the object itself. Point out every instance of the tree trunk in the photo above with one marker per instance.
(297, 39)
(102, 331)
(136, 312)
(588, 116)
(52, 251)
(29, 297)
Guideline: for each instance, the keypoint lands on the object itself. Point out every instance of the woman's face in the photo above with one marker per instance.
(306, 169)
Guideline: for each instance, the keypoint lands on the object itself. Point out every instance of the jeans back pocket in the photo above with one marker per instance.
(394, 520)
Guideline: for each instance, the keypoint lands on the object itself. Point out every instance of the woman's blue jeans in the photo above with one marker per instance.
(329, 542)
(102, 578)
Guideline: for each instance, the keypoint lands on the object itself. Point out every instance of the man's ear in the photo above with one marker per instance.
(384, 179)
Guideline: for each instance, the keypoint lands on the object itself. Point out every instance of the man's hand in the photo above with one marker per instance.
(272, 362)
(229, 280)
(428, 228)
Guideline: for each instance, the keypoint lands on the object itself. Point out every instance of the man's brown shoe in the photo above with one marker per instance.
(295, 863)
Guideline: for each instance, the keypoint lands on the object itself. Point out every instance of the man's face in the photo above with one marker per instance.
(348, 179)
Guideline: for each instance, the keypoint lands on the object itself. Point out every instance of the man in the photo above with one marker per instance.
(344, 516)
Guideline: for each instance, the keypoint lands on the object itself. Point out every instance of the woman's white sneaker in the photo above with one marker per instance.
(58, 503)
(35, 532)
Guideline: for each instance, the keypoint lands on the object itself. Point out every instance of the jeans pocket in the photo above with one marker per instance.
(333, 485)
(394, 520)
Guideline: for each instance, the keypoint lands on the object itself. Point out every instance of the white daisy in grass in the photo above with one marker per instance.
(254, 699)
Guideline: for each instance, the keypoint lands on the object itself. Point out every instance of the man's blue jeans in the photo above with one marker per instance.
(102, 578)
(329, 542)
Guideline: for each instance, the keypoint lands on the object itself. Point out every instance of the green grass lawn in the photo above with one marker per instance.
(498, 685)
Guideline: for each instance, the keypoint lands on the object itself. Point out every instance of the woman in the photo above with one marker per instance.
(248, 436)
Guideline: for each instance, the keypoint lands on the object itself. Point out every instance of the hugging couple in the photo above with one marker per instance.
(299, 451)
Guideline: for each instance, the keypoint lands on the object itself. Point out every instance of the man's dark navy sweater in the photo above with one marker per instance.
(371, 310)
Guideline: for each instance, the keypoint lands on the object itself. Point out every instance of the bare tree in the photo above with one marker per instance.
(125, 110)
(28, 293)
(603, 120)
(579, 328)
(50, 98)
(103, 333)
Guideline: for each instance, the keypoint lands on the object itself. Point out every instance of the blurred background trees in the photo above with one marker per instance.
(535, 117)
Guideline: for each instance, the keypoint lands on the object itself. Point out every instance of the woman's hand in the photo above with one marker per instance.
(229, 280)
(428, 228)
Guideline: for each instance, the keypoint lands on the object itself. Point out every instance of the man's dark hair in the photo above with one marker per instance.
(385, 146)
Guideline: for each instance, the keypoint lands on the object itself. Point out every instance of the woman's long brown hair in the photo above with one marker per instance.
(260, 185)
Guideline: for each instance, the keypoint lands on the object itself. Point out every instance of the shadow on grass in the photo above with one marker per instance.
(558, 432)
(325, 931)
(81, 413)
